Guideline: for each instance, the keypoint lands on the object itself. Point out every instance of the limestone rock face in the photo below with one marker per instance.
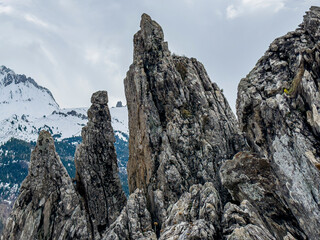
(48, 206)
(196, 215)
(252, 182)
(181, 126)
(278, 108)
(134, 222)
(96, 167)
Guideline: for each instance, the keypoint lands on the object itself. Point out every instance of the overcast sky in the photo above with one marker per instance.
(76, 47)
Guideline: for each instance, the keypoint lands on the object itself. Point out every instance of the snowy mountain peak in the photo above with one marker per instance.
(26, 108)
(21, 95)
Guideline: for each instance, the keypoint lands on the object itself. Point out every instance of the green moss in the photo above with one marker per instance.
(296, 81)
(181, 68)
(186, 113)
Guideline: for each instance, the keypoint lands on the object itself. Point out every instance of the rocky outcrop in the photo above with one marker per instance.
(196, 215)
(48, 206)
(252, 182)
(96, 167)
(181, 126)
(278, 107)
(134, 222)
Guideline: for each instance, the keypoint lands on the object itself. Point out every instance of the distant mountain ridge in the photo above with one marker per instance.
(26, 108)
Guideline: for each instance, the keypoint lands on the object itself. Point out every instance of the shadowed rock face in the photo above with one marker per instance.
(48, 206)
(252, 182)
(97, 169)
(181, 126)
(278, 107)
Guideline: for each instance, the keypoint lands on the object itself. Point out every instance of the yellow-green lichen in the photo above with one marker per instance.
(296, 81)
(186, 113)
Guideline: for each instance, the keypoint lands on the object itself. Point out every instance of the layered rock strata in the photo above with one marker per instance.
(48, 206)
(181, 126)
(278, 107)
(97, 169)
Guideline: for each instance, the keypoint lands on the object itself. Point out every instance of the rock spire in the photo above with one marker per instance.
(181, 126)
(48, 206)
(97, 169)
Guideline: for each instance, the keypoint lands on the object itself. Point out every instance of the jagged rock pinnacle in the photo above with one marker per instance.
(149, 38)
(181, 126)
(96, 167)
(48, 206)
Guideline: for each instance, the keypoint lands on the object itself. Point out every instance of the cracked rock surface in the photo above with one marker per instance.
(134, 222)
(48, 206)
(97, 169)
(253, 184)
(181, 126)
(278, 107)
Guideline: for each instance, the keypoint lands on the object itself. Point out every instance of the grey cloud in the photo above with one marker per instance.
(76, 47)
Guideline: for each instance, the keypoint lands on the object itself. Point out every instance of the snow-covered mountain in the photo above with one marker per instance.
(26, 108)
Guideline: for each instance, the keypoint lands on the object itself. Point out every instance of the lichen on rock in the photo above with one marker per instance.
(284, 128)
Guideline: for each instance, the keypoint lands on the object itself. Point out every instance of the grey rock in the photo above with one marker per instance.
(96, 167)
(244, 222)
(251, 180)
(278, 108)
(119, 104)
(134, 221)
(196, 215)
(181, 126)
(48, 206)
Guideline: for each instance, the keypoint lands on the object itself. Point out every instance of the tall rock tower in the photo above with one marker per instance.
(181, 126)
(97, 169)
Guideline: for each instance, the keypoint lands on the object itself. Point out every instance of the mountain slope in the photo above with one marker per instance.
(27, 108)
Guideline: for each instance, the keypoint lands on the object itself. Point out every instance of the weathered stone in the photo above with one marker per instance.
(96, 167)
(195, 216)
(278, 108)
(251, 179)
(134, 222)
(181, 126)
(48, 206)
(244, 223)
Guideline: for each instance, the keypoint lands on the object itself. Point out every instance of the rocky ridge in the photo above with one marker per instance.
(191, 173)
(278, 107)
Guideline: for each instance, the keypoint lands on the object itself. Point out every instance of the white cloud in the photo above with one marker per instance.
(252, 6)
(36, 21)
(232, 12)
(5, 9)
